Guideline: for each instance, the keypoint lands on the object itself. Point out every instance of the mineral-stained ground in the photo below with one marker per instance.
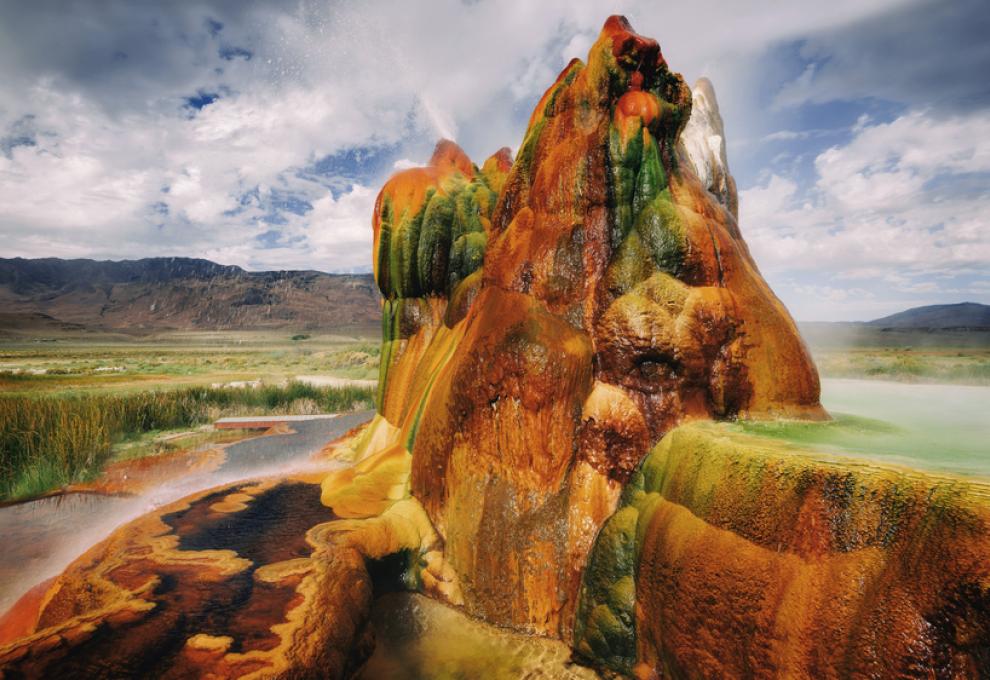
(561, 333)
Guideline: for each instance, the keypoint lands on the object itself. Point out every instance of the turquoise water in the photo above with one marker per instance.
(944, 428)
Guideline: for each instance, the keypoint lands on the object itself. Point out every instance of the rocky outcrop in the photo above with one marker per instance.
(734, 556)
(703, 146)
(617, 300)
(431, 229)
(605, 296)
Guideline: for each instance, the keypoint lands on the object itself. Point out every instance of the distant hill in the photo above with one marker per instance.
(966, 324)
(178, 293)
(961, 316)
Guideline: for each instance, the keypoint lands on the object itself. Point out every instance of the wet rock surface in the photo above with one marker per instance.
(615, 298)
(420, 639)
(736, 556)
(45, 535)
(243, 581)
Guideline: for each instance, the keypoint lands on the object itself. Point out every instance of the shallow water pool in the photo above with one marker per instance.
(943, 428)
(420, 639)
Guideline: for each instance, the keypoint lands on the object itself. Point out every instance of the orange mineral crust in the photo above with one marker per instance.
(22, 618)
(243, 581)
(601, 296)
(259, 579)
(735, 556)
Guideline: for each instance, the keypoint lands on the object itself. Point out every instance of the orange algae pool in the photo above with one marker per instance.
(45, 535)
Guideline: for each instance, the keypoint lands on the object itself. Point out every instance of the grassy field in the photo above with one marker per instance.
(48, 441)
(54, 364)
(69, 403)
(907, 364)
(916, 356)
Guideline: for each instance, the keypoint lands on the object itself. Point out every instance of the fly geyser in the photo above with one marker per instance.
(616, 299)
(561, 334)
(609, 297)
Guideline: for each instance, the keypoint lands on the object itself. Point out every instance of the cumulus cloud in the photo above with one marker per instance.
(902, 204)
(256, 132)
(932, 53)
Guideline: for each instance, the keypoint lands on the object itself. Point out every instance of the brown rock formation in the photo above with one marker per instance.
(616, 299)
(735, 556)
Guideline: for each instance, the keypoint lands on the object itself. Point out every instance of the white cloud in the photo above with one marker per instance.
(111, 134)
(832, 294)
(884, 207)
(578, 47)
(927, 51)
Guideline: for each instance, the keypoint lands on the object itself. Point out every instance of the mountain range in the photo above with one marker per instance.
(178, 293)
(960, 316)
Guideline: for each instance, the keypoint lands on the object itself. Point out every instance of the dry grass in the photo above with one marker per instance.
(905, 364)
(174, 360)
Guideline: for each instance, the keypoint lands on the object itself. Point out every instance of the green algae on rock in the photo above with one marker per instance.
(420, 215)
(753, 557)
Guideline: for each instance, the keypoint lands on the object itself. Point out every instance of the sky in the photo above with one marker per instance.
(258, 132)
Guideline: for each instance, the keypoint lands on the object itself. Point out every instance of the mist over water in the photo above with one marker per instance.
(935, 427)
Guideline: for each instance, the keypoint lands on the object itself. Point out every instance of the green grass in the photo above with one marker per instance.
(905, 364)
(159, 442)
(72, 364)
(49, 441)
(912, 355)
(69, 404)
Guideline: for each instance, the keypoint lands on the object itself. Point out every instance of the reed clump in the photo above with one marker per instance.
(47, 442)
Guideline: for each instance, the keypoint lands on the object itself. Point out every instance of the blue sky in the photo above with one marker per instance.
(258, 132)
